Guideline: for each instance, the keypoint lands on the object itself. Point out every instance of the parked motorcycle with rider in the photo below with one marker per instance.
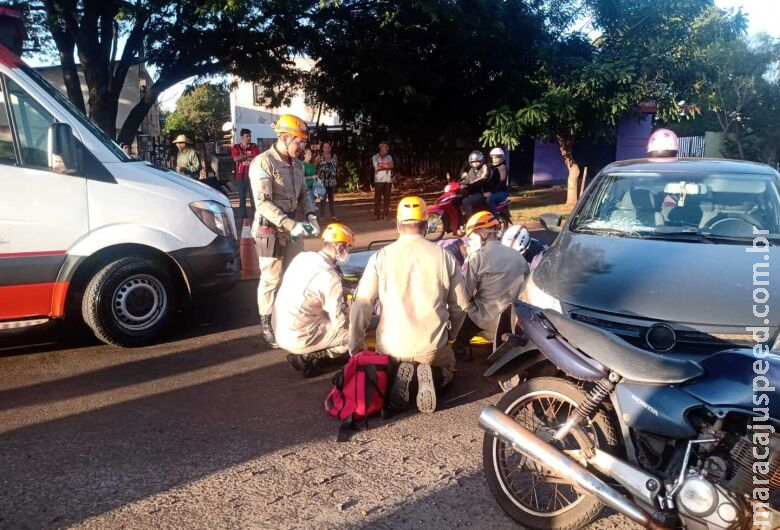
(463, 198)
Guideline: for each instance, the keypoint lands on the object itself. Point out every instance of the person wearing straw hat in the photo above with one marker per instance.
(187, 159)
(423, 298)
(279, 188)
(310, 317)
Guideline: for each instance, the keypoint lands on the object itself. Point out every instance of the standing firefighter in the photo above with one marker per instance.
(279, 187)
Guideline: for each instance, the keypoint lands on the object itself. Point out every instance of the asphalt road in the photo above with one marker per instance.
(212, 430)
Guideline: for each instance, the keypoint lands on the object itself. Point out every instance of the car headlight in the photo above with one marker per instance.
(534, 295)
(215, 216)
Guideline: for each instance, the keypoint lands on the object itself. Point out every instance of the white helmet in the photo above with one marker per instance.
(517, 237)
(497, 151)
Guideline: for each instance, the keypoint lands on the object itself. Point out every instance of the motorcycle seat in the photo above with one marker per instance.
(623, 358)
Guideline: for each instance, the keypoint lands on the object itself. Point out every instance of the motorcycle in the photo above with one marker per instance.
(446, 214)
(667, 441)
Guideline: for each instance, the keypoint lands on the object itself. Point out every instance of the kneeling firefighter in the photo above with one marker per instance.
(494, 275)
(420, 289)
(310, 316)
(279, 187)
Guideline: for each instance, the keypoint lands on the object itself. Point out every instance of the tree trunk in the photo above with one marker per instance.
(566, 145)
(138, 113)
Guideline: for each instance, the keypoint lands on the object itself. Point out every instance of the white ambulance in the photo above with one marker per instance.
(87, 232)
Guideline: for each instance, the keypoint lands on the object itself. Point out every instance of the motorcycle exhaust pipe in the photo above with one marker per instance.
(498, 424)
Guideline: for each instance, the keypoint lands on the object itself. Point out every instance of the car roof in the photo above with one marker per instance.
(689, 165)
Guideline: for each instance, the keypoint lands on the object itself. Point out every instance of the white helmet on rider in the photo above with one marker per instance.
(497, 151)
(517, 237)
(476, 156)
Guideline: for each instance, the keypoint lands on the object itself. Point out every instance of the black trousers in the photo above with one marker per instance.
(467, 330)
(328, 197)
(382, 191)
(474, 203)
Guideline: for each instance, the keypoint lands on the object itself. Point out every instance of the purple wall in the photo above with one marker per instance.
(548, 164)
(632, 137)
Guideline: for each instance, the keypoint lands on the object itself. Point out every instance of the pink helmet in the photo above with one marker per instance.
(663, 142)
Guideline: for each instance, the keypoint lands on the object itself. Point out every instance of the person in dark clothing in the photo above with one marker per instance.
(475, 180)
(496, 189)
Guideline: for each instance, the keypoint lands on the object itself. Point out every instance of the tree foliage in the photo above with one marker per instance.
(201, 110)
(646, 51)
(423, 71)
(251, 38)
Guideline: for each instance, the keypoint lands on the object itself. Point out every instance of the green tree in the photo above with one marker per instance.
(424, 72)
(646, 51)
(251, 38)
(202, 109)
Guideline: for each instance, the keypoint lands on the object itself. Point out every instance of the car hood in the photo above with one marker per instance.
(672, 281)
(207, 192)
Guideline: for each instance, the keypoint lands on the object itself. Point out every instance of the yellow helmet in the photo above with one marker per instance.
(291, 124)
(338, 233)
(481, 221)
(412, 210)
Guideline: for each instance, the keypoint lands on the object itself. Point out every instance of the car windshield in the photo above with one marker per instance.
(73, 111)
(697, 207)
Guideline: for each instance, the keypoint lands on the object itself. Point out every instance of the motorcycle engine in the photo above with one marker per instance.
(704, 505)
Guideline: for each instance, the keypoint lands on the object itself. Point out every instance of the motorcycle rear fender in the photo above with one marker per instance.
(519, 358)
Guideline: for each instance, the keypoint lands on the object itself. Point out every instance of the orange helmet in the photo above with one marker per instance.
(412, 210)
(338, 233)
(481, 221)
(291, 124)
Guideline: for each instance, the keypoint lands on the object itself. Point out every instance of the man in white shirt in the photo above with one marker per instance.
(383, 180)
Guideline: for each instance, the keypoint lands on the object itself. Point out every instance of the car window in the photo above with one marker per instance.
(32, 122)
(7, 155)
(636, 205)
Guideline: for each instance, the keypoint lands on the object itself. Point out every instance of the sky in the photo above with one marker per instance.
(762, 14)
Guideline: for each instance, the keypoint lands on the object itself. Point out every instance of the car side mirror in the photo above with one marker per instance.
(61, 149)
(552, 222)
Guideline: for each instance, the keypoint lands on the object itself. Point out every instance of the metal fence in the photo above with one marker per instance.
(691, 146)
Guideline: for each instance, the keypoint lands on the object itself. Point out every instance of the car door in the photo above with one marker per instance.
(43, 212)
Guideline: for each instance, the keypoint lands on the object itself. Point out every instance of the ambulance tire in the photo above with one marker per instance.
(129, 302)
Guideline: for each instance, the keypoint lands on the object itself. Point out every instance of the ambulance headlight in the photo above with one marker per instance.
(215, 216)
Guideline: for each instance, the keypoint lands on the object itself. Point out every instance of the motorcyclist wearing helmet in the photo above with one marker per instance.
(475, 180)
(518, 238)
(420, 289)
(310, 316)
(496, 188)
(493, 274)
(279, 187)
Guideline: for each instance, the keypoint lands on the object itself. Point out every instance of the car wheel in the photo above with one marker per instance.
(129, 302)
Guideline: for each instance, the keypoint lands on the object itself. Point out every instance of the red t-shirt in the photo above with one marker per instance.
(242, 167)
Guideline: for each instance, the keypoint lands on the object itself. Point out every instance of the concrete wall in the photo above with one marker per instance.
(245, 113)
(128, 98)
(714, 144)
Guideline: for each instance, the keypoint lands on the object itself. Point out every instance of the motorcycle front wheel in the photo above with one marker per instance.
(530, 494)
(436, 227)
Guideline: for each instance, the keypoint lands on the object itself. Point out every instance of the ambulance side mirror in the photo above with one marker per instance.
(61, 149)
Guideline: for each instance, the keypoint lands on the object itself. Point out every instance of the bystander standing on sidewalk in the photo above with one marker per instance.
(310, 173)
(187, 159)
(383, 180)
(328, 169)
(243, 153)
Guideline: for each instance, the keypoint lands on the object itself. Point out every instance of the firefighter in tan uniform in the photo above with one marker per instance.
(421, 291)
(279, 188)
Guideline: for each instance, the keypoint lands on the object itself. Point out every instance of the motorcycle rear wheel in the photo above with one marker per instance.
(436, 227)
(529, 494)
